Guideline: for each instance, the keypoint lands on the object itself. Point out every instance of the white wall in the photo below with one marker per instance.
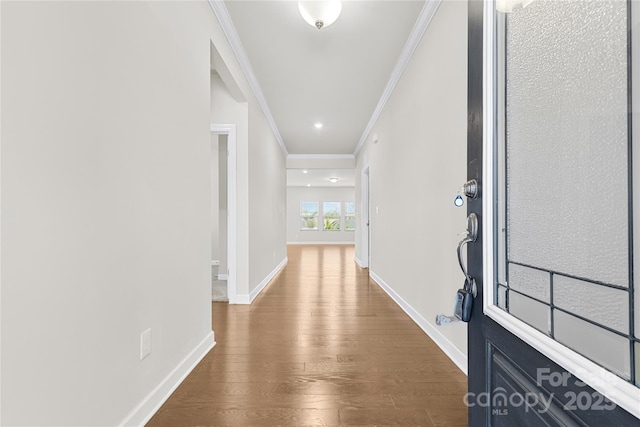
(295, 195)
(416, 168)
(225, 109)
(267, 201)
(261, 180)
(106, 205)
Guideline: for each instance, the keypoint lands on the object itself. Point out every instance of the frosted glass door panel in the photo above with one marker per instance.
(601, 304)
(529, 311)
(563, 193)
(609, 350)
(566, 129)
(529, 281)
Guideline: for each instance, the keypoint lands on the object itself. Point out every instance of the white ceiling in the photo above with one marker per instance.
(336, 75)
(320, 177)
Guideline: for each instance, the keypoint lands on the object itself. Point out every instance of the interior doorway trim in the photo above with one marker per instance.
(365, 219)
(230, 131)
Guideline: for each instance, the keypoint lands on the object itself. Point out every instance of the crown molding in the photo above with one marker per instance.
(222, 14)
(321, 156)
(422, 23)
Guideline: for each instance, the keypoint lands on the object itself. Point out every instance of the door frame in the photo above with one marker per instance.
(230, 131)
(365, 220)
(621, 392)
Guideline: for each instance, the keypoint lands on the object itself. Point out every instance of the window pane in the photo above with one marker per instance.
(309, 215)
(350, 208)
(534, 313)
(601, 346)
(567, 138)
(331, 213)
(535, 283)
(349, 216)
(607, 306)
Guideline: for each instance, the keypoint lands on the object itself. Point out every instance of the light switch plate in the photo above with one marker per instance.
(145, 343)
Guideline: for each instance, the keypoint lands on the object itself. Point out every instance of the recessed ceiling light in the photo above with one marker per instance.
(318, 125)
(308, 185)
(333, 180)
(305, 171)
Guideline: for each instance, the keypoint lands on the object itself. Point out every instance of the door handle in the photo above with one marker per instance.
(464, 297)
(460, 261)
(472, 236)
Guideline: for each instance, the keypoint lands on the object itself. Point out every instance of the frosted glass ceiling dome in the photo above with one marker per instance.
(320, 13)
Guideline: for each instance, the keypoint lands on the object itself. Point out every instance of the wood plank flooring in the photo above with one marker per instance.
(321, 345)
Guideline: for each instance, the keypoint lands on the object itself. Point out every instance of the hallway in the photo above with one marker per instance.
(321, 345)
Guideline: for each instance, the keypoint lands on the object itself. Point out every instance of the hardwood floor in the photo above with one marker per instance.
(321, 345)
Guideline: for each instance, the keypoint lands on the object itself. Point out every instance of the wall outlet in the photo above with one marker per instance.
(145, 343)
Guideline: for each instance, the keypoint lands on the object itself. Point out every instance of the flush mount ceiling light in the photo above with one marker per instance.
(318, 125)
(320, 13)
(333, 180)
(305, 171)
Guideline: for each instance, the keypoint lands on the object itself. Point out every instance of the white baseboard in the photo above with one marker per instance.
(240, 299)
(360, 263)
(248, 298)
(223, 277)
(321, 243)
(456, 356)
(150, 405)
(254, 293)
(215, 262)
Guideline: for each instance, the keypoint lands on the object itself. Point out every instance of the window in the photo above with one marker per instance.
(309, 215)
(349, 216)
(331, 215)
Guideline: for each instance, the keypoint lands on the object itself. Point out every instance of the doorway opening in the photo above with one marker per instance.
(223, 233)
(219, 270)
